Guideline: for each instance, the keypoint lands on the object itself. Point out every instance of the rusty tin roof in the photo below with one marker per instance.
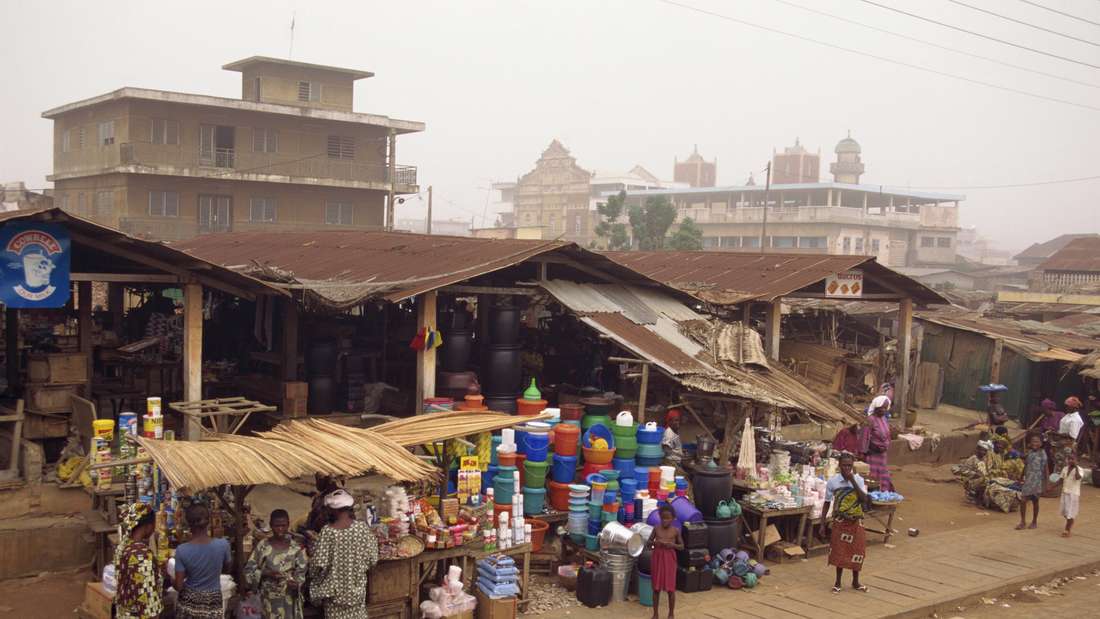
(1081, 254)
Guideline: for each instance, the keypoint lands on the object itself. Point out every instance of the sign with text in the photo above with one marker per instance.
(35, 265)
(846, 285)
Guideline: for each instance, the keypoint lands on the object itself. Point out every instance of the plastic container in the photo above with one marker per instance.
(590, 469)
(650, 434)
(571, 411)
(563, 468)
(628, 486)
(722, 535)
(645, 589)
(536, 446)
(625, 419)
(506, 459)
(535, 473)
(502, 491)
(597, 405)
(528, 408)
(625, 466)
(538, 533)
(591, 542)
(649, 455)
(597, 430)
(559, 495)
(695, 535)
(566, 439)
(598, 456)
(599, 487)
(520, 460)
(534, 501)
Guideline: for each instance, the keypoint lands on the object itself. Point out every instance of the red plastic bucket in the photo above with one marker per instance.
(559, 495)
(565, 439)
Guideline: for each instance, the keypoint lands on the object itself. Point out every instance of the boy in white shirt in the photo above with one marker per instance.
(1071, 491)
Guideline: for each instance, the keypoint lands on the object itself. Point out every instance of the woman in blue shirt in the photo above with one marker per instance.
(199, 566)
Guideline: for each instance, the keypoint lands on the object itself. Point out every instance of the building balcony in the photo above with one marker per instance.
(232, 164)
(805, 215)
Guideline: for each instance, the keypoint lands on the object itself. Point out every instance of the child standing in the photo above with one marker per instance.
(1071, 491)
(665, 541)
(1035, 471)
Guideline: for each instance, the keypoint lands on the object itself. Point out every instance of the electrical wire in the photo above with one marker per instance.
(1024, 23)
(880, 58)
(938, 46)
(979, 34)
(1017, 185)
(1063, 13)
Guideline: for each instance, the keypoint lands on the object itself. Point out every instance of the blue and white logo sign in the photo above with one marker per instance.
(35, 265)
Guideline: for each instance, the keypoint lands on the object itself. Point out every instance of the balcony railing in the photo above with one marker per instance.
(803, 214)
(241, 161)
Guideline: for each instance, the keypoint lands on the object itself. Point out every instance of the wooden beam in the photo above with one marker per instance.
(425, 359)
(185, 273)
(583, 268)
(746, 314)
(116, 304)
(772, 328)
(290, 339)
(11, 346)
(995, 361)
(874, 296)
(698, 419)
(192, 355)
(463, 289)
(905, 344)
(642, 391)
(732, 421)
(126, 278)
(84, 322)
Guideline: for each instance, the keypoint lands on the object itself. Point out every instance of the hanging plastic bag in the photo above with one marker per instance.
(249, 607)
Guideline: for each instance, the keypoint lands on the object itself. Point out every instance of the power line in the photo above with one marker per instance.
(938, 46)
(1024, 23)
(1015, 185)
(978, 34)
(1063, 13)
(881, 58)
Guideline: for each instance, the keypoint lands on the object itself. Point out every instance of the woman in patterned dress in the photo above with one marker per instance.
(139, 582)
(345, 552)
(277, 568)
(877, 442)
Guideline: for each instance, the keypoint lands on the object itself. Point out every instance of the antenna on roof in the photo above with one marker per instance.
(293, 18)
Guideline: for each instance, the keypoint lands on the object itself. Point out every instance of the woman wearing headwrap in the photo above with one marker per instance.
(1002, 483)
(346, 551)
(973, 471)
(139, 583)
(670, 441)
(876, 442)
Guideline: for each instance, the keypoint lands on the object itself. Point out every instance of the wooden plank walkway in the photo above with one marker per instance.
(914, 578)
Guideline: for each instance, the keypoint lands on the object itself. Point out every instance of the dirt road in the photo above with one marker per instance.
(1077, 596)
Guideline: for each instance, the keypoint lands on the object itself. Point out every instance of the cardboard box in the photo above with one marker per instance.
(488, 608)
(295, 407)
(295, 389)
(51, 398)
(97, 604)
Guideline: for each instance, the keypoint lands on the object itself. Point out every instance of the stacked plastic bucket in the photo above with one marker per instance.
(577, 523)
(535, 438)
(563, 466)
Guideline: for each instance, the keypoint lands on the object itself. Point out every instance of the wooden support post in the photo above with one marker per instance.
(641, 393)
(192, 355)
(995, 361)
(772, 328)
(116, 294)
(84, 322)
(11, 346)
(746, 314)
(290, 339)
(425, 359)
(905, 344)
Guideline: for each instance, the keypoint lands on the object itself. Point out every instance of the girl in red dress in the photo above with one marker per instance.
(665, 541)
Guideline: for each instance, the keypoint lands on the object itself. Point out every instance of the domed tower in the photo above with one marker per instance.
(848, 165)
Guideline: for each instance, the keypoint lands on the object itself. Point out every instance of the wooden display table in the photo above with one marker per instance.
(881, 513)
(762, 517)
(466, 557)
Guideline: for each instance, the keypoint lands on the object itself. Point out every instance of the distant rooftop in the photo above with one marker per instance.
(861, 188)
(1080, 254)
(1049, 248)
(243, 65)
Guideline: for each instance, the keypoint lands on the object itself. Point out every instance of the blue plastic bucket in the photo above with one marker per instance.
(536, 445)
(645, 589)
(563, 469)
(534, 499)
(649, 437)
(521, 440)
(625, 467)
(628, 487)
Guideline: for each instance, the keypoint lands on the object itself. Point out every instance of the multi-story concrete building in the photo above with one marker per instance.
(900, 227)
(560, 197)
(289, 154)
(695, 171)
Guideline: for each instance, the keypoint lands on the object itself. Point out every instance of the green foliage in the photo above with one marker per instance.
(613, 232)
(650, 222)
(688, 237)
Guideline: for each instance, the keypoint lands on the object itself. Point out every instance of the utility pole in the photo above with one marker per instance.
(392, 169)
(767, 191)
(429, 209)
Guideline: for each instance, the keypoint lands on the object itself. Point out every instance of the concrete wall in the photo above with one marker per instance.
(298, 207)
(279, 84)
(30, 546)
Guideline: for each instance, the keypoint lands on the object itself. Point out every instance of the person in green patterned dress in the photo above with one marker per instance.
(277, 569)
(345, 552)
(138, 595)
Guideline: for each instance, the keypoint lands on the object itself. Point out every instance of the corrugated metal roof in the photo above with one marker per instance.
(87, 234)
(345, 267)
(868, 189)
(1024, 336)
(1048, 248)
(728, 278)
(1080, 254)
(647, 343)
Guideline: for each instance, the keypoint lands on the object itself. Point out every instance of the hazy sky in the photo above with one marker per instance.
(619, 83)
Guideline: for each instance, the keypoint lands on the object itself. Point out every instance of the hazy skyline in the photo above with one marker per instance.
(621, 83)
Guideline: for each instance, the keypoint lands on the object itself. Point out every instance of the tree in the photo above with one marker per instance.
(651, 221)
(610, 228)
(688, 237)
